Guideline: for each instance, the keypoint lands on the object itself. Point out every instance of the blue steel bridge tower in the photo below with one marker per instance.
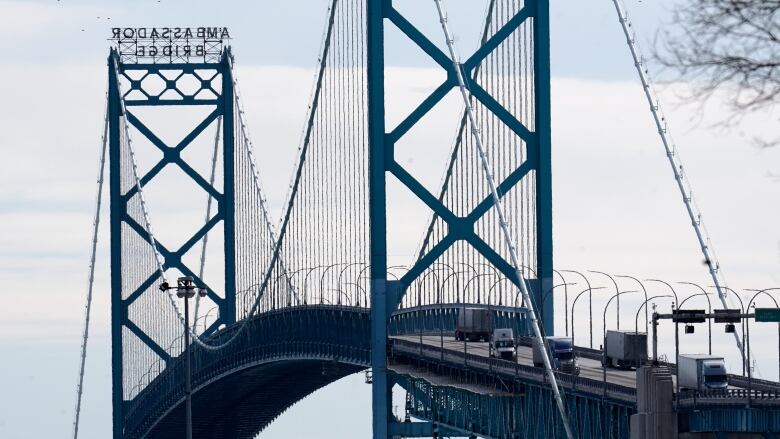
(143, 332)
(533, 15)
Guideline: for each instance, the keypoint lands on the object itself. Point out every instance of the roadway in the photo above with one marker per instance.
(588, 368)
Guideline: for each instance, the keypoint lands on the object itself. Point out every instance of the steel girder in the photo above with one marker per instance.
(518, 410)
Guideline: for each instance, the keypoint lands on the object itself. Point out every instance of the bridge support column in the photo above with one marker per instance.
(655, 418)
(381, 390)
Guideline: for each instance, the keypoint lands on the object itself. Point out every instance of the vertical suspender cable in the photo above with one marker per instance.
(502, 219)
(683, 184)
(91, 277)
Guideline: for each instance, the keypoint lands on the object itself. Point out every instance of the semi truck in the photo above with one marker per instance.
(625, 349)
(561, 350)
(502, 344)
(474, 324)
(702, 372)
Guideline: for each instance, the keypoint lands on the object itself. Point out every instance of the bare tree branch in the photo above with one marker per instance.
(731, 46)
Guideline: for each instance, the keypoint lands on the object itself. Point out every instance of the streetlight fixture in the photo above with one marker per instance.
(443, 283)
(544, 300)
(636, 319)
(466, 286)
(644, 290)
(617, 293)
(747, 321)
(590, 303)
(604, 353)
(565, 301)
(359, 290)
(185, 288)
(590, 321)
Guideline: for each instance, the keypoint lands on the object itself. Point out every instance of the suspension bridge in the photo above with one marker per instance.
(288, 308)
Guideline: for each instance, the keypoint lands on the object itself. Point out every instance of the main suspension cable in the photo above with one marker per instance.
(683, 184)
(475, 130)
(91, 276)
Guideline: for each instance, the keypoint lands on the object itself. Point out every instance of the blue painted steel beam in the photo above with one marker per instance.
(227, 309)
(117, 208)
(499, 37)
(381, 396)
(544, 220)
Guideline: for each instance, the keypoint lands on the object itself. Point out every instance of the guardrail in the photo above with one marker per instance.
(751, 397)
(511, 370)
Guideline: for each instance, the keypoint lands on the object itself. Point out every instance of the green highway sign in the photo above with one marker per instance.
(768, 314)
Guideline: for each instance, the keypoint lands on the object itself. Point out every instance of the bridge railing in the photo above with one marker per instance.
(443, 318)
(754, 397)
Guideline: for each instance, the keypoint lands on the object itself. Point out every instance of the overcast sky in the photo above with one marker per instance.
(615, 201)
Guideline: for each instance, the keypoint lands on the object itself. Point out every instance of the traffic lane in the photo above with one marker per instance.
(588, 368)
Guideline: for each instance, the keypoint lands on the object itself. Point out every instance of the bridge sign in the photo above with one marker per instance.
(768, 314)
(728, 316)
(688, 315)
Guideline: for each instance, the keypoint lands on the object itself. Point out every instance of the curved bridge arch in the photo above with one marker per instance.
(280, 358)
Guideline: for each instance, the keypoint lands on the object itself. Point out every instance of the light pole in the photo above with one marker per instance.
(306, 282)
(674, 293)
(565, 301)
(617, 291)
(343, 270)
(636, 319)
(764, 291)
(322, 278)
(341, 293)
(185, 288)
(742, 326)
(444, 282)
(466, 287)
(644, 290)
(360, 289)
(709, 304)
(590, 321)
(473, 270)
(590, 302)
(604, 331)
(544, 300)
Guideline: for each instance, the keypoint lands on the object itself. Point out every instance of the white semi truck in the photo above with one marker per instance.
(502, 344)
(702, 372)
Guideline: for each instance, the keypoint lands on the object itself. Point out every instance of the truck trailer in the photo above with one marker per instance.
(625, 349)
(474, 324)
(702, 372)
